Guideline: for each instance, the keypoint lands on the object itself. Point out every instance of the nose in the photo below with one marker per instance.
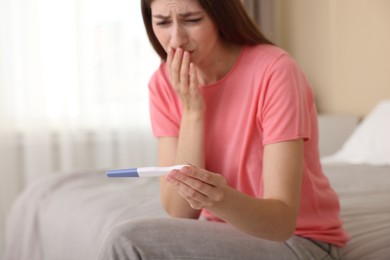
(179, 37)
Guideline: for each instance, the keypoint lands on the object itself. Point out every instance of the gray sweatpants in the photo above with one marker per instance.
(174, 239)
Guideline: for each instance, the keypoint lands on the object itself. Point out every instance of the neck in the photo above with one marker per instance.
(219, 65)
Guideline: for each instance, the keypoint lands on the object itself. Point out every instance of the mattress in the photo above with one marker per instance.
(67, 216)
(364, 192)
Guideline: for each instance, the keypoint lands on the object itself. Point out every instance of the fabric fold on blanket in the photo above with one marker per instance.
(67, 216)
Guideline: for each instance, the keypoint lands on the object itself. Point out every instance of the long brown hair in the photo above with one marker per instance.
(230, 17)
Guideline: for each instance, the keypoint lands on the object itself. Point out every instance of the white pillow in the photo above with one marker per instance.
(370, 142)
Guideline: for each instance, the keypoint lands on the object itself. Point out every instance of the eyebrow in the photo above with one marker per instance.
(183, 15)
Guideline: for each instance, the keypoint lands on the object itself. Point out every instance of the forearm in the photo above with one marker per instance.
(190, 149)
(265, 218)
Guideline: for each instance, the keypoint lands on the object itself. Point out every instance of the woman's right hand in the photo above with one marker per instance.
(183, 75)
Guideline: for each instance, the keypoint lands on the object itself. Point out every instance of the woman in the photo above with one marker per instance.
(241, 114)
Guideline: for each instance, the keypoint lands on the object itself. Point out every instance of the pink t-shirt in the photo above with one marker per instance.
(265, 98)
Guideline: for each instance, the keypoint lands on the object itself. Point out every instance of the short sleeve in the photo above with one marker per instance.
(284, 112)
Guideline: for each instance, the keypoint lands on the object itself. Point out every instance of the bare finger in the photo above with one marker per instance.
(185, 67)
(170, 54)
(175, 66)
(193, 78)
(197, 189)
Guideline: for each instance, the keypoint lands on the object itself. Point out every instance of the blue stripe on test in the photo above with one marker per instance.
(132, 172)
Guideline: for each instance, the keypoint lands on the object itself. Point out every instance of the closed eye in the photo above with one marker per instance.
(195, 20)
(163, 22)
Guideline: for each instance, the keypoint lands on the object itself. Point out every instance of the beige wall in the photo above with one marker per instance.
(344, 48)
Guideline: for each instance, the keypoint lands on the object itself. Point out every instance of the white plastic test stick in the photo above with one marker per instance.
(143, 171)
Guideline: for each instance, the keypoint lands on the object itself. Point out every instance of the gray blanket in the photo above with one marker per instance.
(66, 217)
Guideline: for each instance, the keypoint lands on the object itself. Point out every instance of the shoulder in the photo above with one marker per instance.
(267, 55)
(159, 75)
(161, 92)
(159, 81)
(267, 60)
(264, 51)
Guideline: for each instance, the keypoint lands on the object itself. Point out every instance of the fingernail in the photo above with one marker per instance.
(187, 170)
(169, 178)
(175, 173)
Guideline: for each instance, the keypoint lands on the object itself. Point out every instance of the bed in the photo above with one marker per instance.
(68, 216)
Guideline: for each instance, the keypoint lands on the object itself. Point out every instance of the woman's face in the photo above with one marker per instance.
(184, 24)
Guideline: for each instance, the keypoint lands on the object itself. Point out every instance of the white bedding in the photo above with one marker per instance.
(67, 216)
(370, 141)
(364, 192)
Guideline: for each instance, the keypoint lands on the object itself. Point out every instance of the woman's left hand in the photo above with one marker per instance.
(201, 188)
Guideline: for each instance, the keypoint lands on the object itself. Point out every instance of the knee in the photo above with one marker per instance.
(128, 240)
(120, 242)
(126, 231)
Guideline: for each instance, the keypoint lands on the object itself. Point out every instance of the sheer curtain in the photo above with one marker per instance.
(73, 90)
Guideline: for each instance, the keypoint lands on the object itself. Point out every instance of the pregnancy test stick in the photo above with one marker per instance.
(143, 171)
